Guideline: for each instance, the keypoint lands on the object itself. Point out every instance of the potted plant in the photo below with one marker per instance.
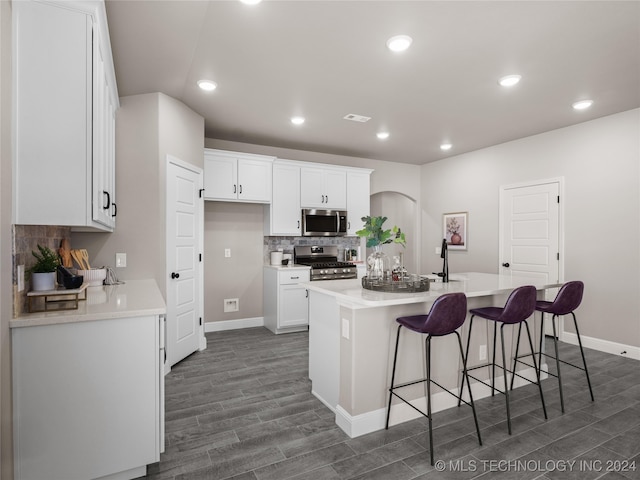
(43, 272)
(378, 265)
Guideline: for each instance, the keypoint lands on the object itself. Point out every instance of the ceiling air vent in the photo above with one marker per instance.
(356, 118)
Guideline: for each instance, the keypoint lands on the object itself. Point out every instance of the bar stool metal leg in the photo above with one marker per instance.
(493, 375)
(393, 376)
(515, 358)
(464, 358)
(504, 368)
(536, 369)
(464, 374)
(429, 416)
(558, 374)
(584, 361)
(541, 339)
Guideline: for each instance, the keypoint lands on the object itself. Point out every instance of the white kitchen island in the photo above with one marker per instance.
(352, 335)
(88, 386)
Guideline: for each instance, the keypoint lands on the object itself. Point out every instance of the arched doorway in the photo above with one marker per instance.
(400, 210)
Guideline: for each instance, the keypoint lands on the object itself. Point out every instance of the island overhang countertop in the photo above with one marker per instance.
(472, 284)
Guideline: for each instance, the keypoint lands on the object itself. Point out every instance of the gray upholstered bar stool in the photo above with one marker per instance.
(519, 306)
(567, 300)
(446, 315)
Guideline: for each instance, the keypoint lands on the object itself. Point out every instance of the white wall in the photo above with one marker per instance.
(600, 163)
(148, 127)
(237, 226)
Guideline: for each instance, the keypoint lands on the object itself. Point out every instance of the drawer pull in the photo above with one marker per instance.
(295, 278)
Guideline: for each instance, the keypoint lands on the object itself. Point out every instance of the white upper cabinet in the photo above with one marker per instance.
(283, 216)
(237, 177)
(65, 98)
(324, 188)
(358, 199)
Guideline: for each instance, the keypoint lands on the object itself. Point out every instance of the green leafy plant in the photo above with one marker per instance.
(46, 260)
(375, 235)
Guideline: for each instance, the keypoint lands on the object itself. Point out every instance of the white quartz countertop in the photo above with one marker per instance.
(135, 298)
(473, 284)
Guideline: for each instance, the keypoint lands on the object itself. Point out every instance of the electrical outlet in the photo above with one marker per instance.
(231, 305)
(483, 352)
(345, 328)
(20, 278)
(227, 253)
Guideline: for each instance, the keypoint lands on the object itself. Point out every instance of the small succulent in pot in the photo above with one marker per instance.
(43, 271)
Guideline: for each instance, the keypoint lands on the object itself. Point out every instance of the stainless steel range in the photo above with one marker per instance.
(323, 260)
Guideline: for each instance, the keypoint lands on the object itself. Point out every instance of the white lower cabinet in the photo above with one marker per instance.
(285, 300)
(88, 398)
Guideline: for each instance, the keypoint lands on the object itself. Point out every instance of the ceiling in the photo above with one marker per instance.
(326, 59)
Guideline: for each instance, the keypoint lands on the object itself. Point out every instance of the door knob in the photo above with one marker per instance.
(506, 265)
(175, 275)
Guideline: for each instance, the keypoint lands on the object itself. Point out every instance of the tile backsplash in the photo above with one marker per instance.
(26, 239)
(272, 244)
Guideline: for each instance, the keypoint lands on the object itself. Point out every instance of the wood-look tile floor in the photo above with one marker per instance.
(243, 409)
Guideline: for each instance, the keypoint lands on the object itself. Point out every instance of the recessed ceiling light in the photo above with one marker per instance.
(582, 104)
(509, 80)
(251, 2)
(382, 135)
(297, 120)
(446, 146)
(399, 43)
(207, 85)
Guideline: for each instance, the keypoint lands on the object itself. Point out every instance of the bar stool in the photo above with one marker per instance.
(519, 306)
(566, 302)
(446, 315)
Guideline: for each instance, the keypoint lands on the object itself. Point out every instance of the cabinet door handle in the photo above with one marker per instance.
(108, 205)
(240, 190)
(306, 293)
(327, 199)
(234, 188)
(298, 224)
(115, 209)
(348, 225)
(322, 199)
(506, 265)
(175, 275)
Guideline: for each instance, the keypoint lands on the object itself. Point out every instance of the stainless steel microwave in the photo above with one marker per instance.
(324, 223)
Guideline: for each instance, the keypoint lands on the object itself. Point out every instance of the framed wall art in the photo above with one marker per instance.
(455, 228)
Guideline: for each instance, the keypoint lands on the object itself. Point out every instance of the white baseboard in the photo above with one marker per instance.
(233, 324)
(368, 422)
(603, 345)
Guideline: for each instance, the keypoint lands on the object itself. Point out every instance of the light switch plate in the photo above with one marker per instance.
(121, 260)
(227, 253)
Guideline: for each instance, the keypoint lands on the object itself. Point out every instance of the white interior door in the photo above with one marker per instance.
(530, 232)
(184, 265)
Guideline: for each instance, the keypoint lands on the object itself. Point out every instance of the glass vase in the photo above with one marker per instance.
(378, 265)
